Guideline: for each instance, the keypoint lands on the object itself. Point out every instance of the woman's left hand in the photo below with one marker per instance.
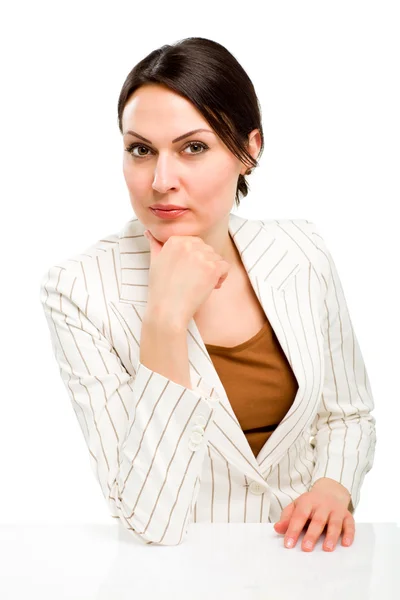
(325, 504)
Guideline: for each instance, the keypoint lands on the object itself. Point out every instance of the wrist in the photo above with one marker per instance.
(158, 318)
(334, 487)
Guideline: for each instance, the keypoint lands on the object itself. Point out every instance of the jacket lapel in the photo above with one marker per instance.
(271, 265)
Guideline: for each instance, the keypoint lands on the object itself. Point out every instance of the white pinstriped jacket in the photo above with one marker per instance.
(165, 455)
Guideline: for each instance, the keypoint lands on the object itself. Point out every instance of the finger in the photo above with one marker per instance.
(221, 280)
(286, 515)
(317, 526)
(282, 525)
(349, 529)
(335, 526)
(155, 245)
(300, 516)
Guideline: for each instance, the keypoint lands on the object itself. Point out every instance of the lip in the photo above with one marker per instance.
(168, 214)
(167, 207)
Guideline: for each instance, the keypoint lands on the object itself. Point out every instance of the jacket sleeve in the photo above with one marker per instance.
(344, 429)
(146, 435)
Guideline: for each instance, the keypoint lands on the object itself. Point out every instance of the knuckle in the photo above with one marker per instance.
(198, 255)
(302, 514)
(335, 522)
(294, 530)
(212, 267)
(319, 520)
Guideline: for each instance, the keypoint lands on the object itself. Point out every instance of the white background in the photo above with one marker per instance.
(327, 77)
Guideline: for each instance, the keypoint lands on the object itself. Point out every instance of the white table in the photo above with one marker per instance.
(215, 561)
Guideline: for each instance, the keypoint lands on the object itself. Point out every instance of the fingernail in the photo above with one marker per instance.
(308, 545)
(289, 542)
(346, 541)
(329, 545)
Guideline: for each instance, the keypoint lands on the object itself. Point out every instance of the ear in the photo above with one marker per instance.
(254, 147)
(255, 143)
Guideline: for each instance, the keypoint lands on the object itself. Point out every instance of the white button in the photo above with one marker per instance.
(256, 488)
(198, 429)
(193, 445)
(200, 420)
(196, 437)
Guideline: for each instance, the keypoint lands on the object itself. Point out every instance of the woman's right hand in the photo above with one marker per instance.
(183, 273)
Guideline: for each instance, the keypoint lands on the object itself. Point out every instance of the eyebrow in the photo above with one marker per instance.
(178, 139)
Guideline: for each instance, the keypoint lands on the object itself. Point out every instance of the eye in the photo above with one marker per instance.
(199, 145)
(195, 145)
(132, 147)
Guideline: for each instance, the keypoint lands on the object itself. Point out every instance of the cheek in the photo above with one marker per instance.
(204, 182)
(217, 182)
(216, 173)
(222, 177)
(136, 181)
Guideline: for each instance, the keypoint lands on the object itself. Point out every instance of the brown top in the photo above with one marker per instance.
(258, 381)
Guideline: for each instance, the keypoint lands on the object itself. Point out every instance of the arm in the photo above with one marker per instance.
(138, 428)
(164, 349)
(344, 428)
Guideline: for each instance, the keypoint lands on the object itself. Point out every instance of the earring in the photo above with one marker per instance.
(248, 172)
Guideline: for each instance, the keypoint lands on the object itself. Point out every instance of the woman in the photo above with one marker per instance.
(210, 359)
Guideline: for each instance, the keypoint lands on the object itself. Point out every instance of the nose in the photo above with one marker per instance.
(165, 175)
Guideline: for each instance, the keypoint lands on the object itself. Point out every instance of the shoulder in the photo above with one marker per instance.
(300, 233)
(298, 229)
(304, 237)
(100, 255)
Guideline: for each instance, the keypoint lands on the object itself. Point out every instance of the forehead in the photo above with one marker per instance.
(158, 105)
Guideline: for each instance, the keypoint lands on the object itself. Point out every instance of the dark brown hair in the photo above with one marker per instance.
(211, 78)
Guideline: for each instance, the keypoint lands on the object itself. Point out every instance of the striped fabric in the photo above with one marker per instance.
(166, 455)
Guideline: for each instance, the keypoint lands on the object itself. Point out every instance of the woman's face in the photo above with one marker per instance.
(197, 172)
